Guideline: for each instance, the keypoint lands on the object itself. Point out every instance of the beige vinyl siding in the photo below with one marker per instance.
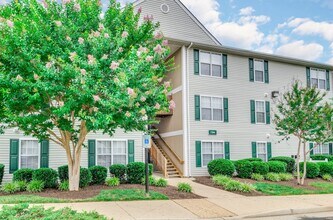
(176, 142)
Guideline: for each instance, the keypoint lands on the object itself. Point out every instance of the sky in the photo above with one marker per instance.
(295, 28)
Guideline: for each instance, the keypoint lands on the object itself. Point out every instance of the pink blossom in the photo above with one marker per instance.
(91, 59)
(77, 7)
(106, 35)
(149, 58)
(137, 105)
(138, 53)
(165, 43)
(124, 34)
(158, 49)
(167, 84)
(157, 106)
(97, 34)
(45, 4)
(83, 72)
(148, 18)
(58, 23)
(114, 65)
(96, 98)
(36, 77)
(127, 114)
(155, 66)
(68, 38)
(80, 40)
(160, 79)
(143, 99)
(66, 1)
(130, 91)
(101, 27)
(143, 49)
(158, 35)
(143, 111)
(104, 57)
(10, 23)
(19, 78)
(48, 65)
(140, 10)
(72, 56)
(172, 105)
(116, 80)
(95, 109)
(120, 50)
(61, 103)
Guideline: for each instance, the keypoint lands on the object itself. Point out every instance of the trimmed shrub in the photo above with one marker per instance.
(2, 172)
(35, 186)
(64, 186)
(325, 168)
(244, 168)
(274, 177)
(221, 166)
(232, 185)
(63, 173)
(24, 174)
(286, 176)
(161, 182)
(277, 167)
(46, 175)
(322, 157)
(184, 187)
(21, 185)
(119, 171)
(112, 181)
(135, 172)
(288, 160)
(257, 177)
(260, 167)
(312, 169)
(327, 177)
(99, 174)
(151, 181)
(253, 159)
(10, 188)
(85, 177)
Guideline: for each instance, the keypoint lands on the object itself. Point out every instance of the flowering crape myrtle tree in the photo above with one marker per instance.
(67, 71)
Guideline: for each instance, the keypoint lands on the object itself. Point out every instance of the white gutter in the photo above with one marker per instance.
(184, 109)
(187, 83)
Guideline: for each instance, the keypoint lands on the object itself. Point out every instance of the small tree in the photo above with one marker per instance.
(67, 71)
(300, 112)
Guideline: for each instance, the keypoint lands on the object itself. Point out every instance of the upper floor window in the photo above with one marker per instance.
(211, 108)
(29, 154)
(260, 112)
(258, 70)
(210, 64)
(318, 78)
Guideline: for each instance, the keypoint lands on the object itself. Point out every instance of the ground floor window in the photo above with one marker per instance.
(262, 150)
(29, 154)
(111, 152)
(322, 149)
(211, 150)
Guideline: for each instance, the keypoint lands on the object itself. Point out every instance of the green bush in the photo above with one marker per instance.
(232, 185)
(220, 179)
(99, 174)
(46, 175)
(24, 212)
(286, 176)
(253, 159)
(260, 167)
(288, 160)
(322, 157)
(135, 172)
(184, 187)
(63, 173)
(257, 177)
(112, 181)
(327, 177)
(64, 186)
(119, 171)
(244, 168)
(10, 188)
(150, 169)
(21, 185)
(24, 174)
(151, 181)
(277, 167)
(2, 172)
(35, 186)
(325, 168)
(312, 169)
(85, 177)
(221, 166)
(274, 177)
(161, 182)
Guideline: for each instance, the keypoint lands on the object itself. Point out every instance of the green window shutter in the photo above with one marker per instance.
(253, 111)
(311, 147)
(14, 154)
(251, 68)
(254, 149)
(268, 112)
(266, 71)
(44, 154)
(91, 153)
(225, 66)
(196, 62)
(331, 148)
(269, 150)
(227, 150)
(308, 83)
(226, 109)
(197, 107)
(198, 153)
(130, 151)
(328, 83)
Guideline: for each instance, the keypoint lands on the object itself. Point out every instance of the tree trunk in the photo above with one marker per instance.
(74, 175)
(297, 161)
(304, 165)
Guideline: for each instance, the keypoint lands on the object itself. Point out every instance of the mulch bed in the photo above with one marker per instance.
(94, 190)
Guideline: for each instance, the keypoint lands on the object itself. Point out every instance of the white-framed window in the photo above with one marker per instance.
(260, 112)
(211, 150)
(211, 108)
(322, 149)
(210, 64)
(29, 154)
(318, 78)
(259, 70)
(262, 150)
(111, 152)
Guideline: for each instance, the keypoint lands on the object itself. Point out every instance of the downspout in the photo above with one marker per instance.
(188, 109)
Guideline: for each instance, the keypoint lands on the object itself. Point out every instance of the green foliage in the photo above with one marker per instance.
(288, 160)
(244, 168)
(274, 177)
(24, 174)
(327, 177)
(2, 171)
(112, 181)
(325, 168)
(322, 157)
(221, 166)
(286, 176)
(161, 182)
(46, 175)
(277, 167)
(119, 171)
(21, 185)
(257, 177)
(150, 169)
(99, 174)
(63, 173)
(64, 186)
(184, 187)
(260, 167)
(128, 195)
(232, 185)
(10, 188)
(35, 186)
(253, 159)
(24, 212)
(312, 169)
(85, 177)
(135, 172)
(151, 181)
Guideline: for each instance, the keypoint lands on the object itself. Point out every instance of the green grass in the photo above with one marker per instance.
(281, 190)
(104, 195)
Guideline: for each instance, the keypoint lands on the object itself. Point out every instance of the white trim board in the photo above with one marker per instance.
(170, 134)
(176, 90)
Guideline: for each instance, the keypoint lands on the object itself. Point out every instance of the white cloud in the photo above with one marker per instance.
(246, 11)
(310, 27)
(330, 61)
(299, 49)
